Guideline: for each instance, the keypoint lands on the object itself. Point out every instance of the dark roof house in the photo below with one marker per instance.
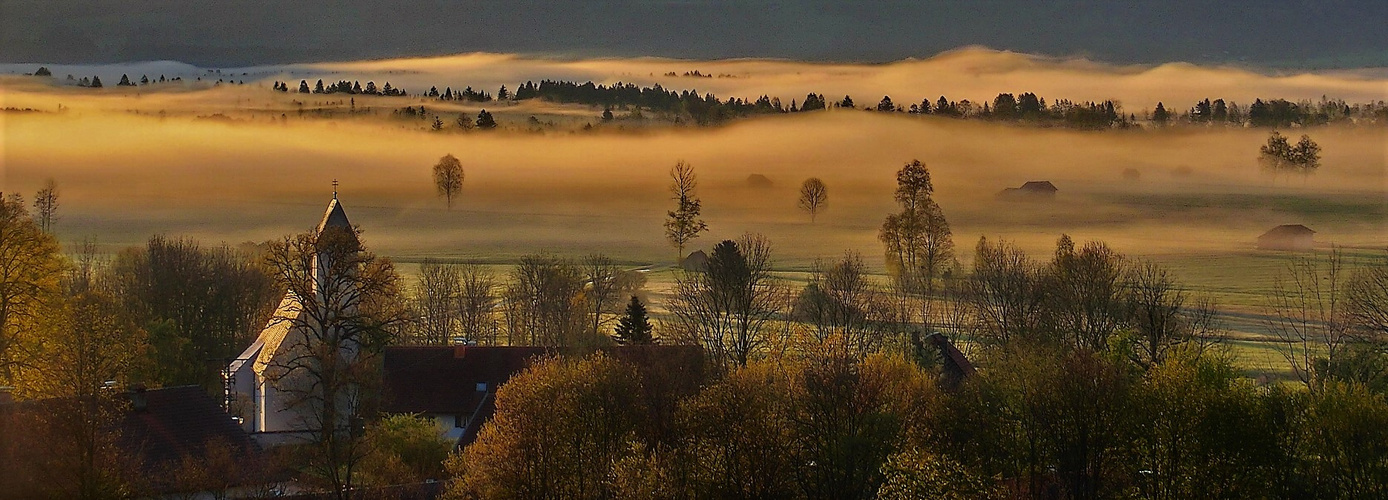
(458, 382)
(166, 426)
(162, 439)
(431, 379)
(1031, 190)
(456, 386)
(1288, 237)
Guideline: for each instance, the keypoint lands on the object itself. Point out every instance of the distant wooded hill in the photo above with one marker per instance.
(1026, 107)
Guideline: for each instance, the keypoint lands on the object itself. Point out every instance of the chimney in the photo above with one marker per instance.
(137, 398)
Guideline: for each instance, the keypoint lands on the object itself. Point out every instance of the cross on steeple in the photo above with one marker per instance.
(334, 189)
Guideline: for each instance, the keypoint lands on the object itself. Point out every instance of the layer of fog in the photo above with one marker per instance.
(124, 177)
(973, 73)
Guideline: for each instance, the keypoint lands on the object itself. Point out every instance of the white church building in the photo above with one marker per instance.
(255, 395)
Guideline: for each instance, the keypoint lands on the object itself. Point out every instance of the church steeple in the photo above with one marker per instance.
(334, 217)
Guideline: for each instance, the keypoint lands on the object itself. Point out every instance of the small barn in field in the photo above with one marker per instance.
(695, 261)
(758, 181)
(1032, 190)
(1288, 237)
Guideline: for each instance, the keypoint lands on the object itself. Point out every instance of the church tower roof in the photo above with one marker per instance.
(334, 217)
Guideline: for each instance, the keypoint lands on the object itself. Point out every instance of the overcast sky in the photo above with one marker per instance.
(212, 33)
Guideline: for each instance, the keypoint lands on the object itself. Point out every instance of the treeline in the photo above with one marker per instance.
(189, 309)
(1025, 107)
(1099, 376)
(1279, 113)
(708, 109)
(1036, 424)
(343, 87)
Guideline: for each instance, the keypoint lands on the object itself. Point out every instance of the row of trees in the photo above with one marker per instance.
(95, 81)
(545, 300)
(1283, 113)
(1037, 424)
(1097, 384)
(343, 87)
(1024, 107)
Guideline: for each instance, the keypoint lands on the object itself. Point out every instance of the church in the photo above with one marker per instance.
(260, 390)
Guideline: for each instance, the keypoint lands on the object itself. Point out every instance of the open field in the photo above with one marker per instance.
(243, 163)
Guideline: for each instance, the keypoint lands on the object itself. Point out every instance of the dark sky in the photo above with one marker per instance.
(1274, 33)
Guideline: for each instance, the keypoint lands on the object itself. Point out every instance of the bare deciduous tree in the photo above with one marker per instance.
(1086, 293)
(544, 302)
(603, 293)
(814, 196)
(1310, 315)
(1164, 317)
(1006, 294)
(1368, 298)
(201, 304)
(844, 307)
(918, 240)
(345, 309)
(476, 304)
(46, 205)
(683, 224)
(436, 296)
(448, 177)
(729, 309)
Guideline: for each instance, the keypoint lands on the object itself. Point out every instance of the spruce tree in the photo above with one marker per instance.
(96, 81)
(1160, 115)
(635, 327)
(485, 120)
